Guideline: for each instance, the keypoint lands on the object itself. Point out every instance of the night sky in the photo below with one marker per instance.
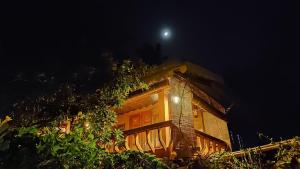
(254, 45)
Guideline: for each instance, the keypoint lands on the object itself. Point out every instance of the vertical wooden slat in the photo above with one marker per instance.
(210, 145)
(126, 143)
(161, 140)
(116, 147)
(222, 147)
(168, 136)
(213, 146)
(206, 147)
(137, 142)
(149, 143)
(202, 146)
(218, 147)
(197, 141)
(171, 144)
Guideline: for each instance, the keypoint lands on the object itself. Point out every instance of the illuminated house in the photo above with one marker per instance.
(181, 114)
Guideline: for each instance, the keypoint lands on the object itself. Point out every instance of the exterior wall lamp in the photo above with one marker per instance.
(175, 99)
(154, 97)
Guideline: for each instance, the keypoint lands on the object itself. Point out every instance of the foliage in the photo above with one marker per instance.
(80, 149)
(90, 120)
(4, 129)
(133, 160)
(286, 156)
(250, 159)
(15, 152)
(76, 149)
(69, 99)
(98, 107)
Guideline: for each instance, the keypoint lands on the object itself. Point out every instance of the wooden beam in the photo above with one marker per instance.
(200, 133)
(201, 103)
(263, 148)
(139, 94)
(148, 127)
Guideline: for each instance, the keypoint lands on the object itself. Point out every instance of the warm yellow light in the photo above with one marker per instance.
(86, 125)
(176, 99)
(154, 97)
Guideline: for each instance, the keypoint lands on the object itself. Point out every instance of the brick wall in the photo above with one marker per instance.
(182, 117)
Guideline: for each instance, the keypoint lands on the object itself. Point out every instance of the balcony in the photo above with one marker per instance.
(158, 139)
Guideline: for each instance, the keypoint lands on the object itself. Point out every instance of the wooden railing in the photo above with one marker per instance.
(157, 139)
(150, 138)
(263, 148)
(207, 144)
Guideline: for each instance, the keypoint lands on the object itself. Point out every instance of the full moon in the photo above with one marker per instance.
(166, 34)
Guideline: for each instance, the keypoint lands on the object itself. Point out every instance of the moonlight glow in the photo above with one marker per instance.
(166, 34)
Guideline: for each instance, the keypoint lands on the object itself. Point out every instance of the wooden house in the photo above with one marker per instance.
(182, 114)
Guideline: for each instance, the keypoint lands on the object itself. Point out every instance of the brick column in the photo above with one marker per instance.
(183, 133)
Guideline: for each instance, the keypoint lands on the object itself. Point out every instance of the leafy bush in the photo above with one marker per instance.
(80, 149)
(286, 156)
(133, 160)
(4, 130)
(68, 129)
(16, 152)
